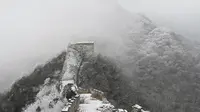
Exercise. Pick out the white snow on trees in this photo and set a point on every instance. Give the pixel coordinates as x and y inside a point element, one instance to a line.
<point>47,100</point>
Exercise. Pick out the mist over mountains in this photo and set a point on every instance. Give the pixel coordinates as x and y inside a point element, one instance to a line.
<point>41,29</point>
<point>159,67</point>
<point>48,27</point>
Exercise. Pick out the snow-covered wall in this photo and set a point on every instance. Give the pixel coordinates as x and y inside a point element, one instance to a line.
<point>75,54</point>
<point>70,63</point>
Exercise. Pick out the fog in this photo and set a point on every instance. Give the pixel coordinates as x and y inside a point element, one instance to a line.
<point>32,32</point>
<point>182,16</point>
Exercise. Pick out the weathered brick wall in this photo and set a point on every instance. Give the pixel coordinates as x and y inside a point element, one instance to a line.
<point>74,104</point>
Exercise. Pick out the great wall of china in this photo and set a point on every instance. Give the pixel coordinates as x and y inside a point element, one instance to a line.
<point>76,53</point>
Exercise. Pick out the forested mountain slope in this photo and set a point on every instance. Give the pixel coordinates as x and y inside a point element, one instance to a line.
<point>23,92</point>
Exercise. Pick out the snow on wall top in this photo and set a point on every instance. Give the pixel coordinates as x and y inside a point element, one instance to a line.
<point>74,57</point>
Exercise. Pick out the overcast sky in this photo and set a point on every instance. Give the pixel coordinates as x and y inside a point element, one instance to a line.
<point>163,6</point>
<point>32,31</point>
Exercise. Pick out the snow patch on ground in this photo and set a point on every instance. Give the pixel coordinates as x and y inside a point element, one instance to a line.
<point>45,100</point>
<point>93,105</point>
